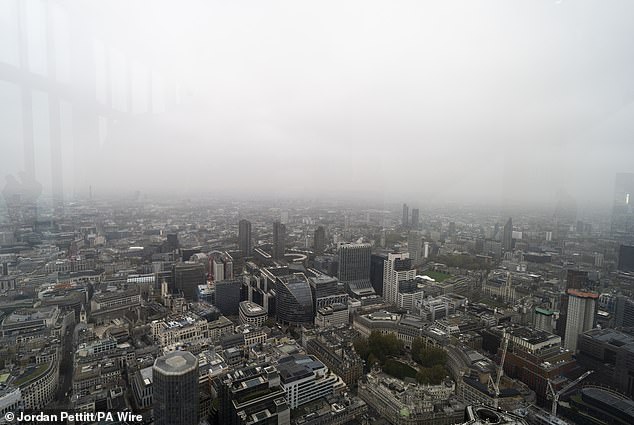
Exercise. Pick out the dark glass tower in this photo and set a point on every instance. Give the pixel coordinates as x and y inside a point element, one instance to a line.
<point>187,277</point>
<point>405,220</point>
<point>294,299</point>
<point>320,240</point>
<point>175,377</point>
<point>415,218</point>
<point>245,243</point>
<point>507,238</point>
<point>279,240</point>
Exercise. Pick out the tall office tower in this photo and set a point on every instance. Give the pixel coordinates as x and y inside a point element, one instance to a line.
<point>543,319</point>
<point>354,268</point>
<point>426,250</point>
<point>377,265</point>
<point>327,291</point>
<point>319,240</point>
<point>405,220</point>
<point>415,245</point>
<point>452,229</point>
<point>624,312</point>
<point>415,218</point>
<point>507,239</point>
<point>580,316</point>
<point>279,240</point>
<point>576,279</point>
<point>228,296</point>
<point>626,258</point>
<point>172,242</point>
<point>294,300</point>
<point>175,386</point>
<point>398,268</point>
<point>218,269</point>
<point>187,277</point>
<point>622,209</point>
<point>245,242</point>
<point>253,395</point>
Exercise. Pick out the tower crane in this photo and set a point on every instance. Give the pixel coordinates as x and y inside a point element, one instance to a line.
<point>500,371</point>
<point>555,395</point>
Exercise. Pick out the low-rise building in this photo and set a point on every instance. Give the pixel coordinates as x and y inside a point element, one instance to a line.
<point>304,379</point>
<point>251,313</point>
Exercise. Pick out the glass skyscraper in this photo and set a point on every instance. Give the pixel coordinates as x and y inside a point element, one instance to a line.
<point>175,381</point>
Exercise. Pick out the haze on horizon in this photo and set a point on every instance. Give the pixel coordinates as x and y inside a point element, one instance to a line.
<point>443,101</point>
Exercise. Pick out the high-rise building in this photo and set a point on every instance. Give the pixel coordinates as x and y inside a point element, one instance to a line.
<point>415,218</point>
<point>228,296</point>
<point>245,241</point>
<point>622,210</point>
<point>543,319</point>
<point>576,279</point>
<point>175,386</point>
<point>279,240</point>
<point>172,242</point>
<point>398,268</point>
<point>507,238</point>
<point>626,258</point>
<point>624,312</point>
<point>294,300</point>
<point>452,229</point>
<point>319,240</point>
<point>415,245</point>
<point>327,291</point>
<point>405,219</point>
<point>187,277</point>
<point>580,316</point>
<point>354,268</point>
<point>253,395</point>
<point>377,265</point>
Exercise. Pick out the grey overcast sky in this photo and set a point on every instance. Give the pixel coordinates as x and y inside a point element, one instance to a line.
<point>419,101</point>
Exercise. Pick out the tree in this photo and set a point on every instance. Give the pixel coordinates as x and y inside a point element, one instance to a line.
<point>427,356</point>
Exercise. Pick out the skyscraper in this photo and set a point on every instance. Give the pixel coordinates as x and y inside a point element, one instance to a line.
<point>507,239</point>
<point>415,218</point>
<point>279,240</point>
<point>187,277</point>
<point>228,293</point>
<point>622,209</point>
<point>294,300</point>
<point>354,267</point>
<point>377,265</point>
<point>415,245</point>
<point>319,240</point>
<point>580,316</point>
<point>626,258</point>
<point>245,242</point>
<point>175,382</point>
<point>405,220</point>
<point>398,268</point>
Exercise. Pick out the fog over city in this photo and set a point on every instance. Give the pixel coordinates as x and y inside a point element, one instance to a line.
<point>500,102</point>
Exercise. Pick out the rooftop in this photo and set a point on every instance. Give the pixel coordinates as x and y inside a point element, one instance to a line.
<point>176,363</point>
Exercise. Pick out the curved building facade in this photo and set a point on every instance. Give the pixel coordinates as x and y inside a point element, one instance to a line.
<point>294,300</point>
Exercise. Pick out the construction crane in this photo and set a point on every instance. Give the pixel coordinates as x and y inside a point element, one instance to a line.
<point>500,371</point>
<point>555,395</point>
